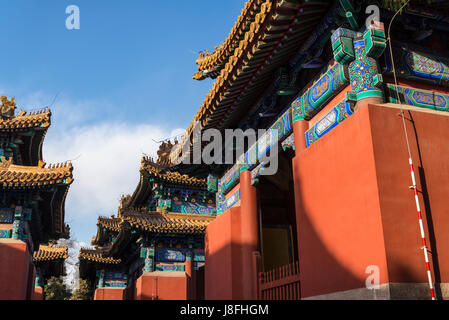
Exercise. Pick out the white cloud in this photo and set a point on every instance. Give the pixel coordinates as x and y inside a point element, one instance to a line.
<point>66,113</point>
<point>106,160</point>
<point>105,153</point>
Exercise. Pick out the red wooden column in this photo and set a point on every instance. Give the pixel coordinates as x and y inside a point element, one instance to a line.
<point>249,233</point>
<point>190,272</point>
<point>257,268</point>
<point>300,128</point>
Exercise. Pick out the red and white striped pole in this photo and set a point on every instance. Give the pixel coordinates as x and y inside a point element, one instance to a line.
<point>421,226</point>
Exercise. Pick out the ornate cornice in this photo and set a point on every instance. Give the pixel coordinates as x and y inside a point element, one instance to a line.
<point>96,255</point>
<point>50,253</point>
<point>23,121</point>
<point>210,64</point>
<point>13,176</point>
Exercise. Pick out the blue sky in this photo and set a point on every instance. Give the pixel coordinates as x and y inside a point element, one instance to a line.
<point>120,81</point>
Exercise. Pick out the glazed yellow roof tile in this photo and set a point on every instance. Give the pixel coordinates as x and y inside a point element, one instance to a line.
<point>168,222</point>
<point>24,120</point>
<point>50,253</point>
<point>171,177</point>
<point>96,255</point>
<point>216,60</point>
<point>109,223</point>
<point>22,176</point>
<point>272,37</point>
<point>227,73</point>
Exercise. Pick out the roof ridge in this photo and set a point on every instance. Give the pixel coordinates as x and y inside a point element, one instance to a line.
<point>172,176</point>
<point>24,120</point>
<point>65,165</point>
<point>33,113</point>
<point>271,37</point>
<point>209,62</point>
<point>144,211</point>
<point>109,218</point>
<point>230,66</point>
<point>96,255</point>
<point>53,246</point>
<point>169,222</point>
<point>51,252</point>
<point>16,175</point>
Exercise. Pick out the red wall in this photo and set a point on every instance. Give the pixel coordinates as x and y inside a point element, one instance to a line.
<point>354,207</point>
<point>222,273</point>
<point>161,286</point>
<point>338,211</point>
<point>15,263</point>
<point>428,136</point>
<point>109,294</point>
<point>31,281</point>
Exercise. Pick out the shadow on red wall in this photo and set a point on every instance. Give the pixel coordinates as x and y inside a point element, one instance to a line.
<point>17,274</point>
<point>354,208</point>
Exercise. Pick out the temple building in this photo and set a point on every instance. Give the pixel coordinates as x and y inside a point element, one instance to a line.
<point>358,107</point>
<point>49,262</point>
<point>32,199</point>
<point>154,248</point>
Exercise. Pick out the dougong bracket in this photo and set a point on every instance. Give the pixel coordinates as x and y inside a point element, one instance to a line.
<point>359,52</point>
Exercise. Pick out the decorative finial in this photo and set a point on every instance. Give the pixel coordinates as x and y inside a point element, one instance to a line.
<point>5,163</point>
<point>41,164</point>
<point>7,107</point>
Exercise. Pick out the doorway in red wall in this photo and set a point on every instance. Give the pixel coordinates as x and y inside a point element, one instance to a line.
<point>277,216</point>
